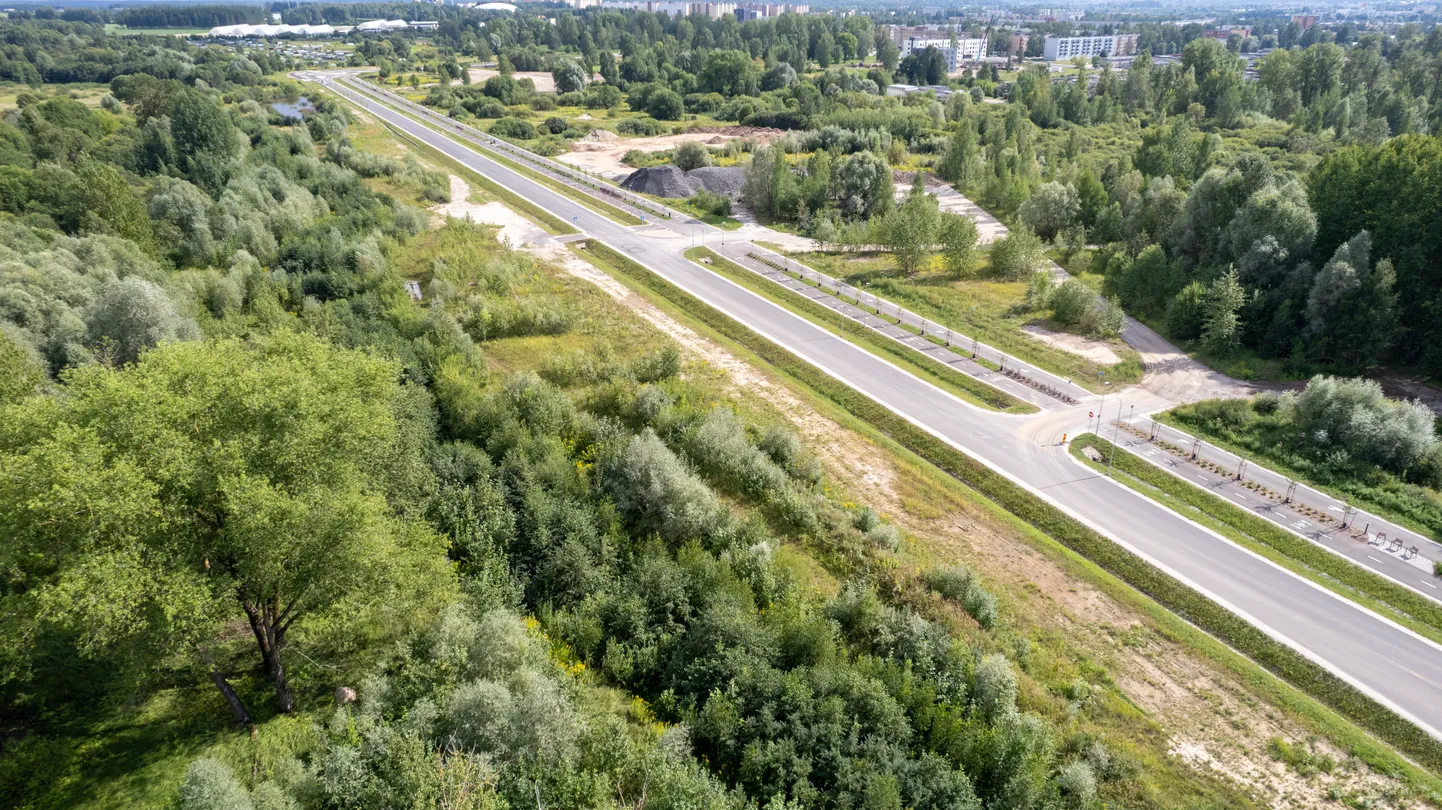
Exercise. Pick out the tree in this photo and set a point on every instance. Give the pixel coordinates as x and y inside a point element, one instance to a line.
<point>1221,325</point>
<point>204,140</point>
<point>960,164</point>
<point>691,155</point>
<point>1017,255</point>
<point>958,245</point>
<point>665,105</point>
<point>887,54</point>
<point>730,73</point>
<point>133,315</point>
<point>1051,209</point>
<point>212,481</point>
<point>1351,314</point>
<point>863,186</point>
<point>569,76</point>
<point>909,229</point>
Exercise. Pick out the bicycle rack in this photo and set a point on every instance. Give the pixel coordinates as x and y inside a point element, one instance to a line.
<point>1291,491</point>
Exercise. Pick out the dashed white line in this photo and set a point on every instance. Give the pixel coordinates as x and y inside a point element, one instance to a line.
<point>1370,557</point>
<point>1430,585</point>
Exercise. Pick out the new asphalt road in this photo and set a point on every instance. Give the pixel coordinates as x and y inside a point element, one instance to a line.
<point>1393,665</point>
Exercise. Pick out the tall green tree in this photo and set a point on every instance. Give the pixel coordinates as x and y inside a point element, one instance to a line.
<point>152,506</point>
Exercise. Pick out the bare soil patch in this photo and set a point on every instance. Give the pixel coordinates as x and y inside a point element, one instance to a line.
<point>1096,351</point>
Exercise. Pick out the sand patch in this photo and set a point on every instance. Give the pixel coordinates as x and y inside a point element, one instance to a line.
<point>1094,350</point>
<point>545,82</point>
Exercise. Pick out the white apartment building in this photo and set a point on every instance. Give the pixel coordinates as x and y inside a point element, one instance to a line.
<point>1056,48</point>
<point>966,49</point>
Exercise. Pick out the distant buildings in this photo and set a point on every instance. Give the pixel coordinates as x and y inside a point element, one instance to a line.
<point>1304,21</point>
<point>1224,32</point>
<point>963,50</point>
<point>1067,47</point>
<point>682,8</point>
<point>1017,46</point>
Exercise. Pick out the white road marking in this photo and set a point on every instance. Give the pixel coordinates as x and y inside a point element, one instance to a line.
<point>1370,557</point>
<point>1430,585</point>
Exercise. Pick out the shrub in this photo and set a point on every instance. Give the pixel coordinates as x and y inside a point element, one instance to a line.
<point>555,125</point>
<point>513,128</point>
<point>665,105</point>
<point>640,126</point>
<point>714,204</point>
<point>211,785</point>
<point>662,364</point>
<point>1071,301</point>
<point>1077,783</point>
<point>133,315</point>
<point>690,155</point>
<point>1355,415</point>
<point>657,492</point>
<point>958,584</point>
<point>995,687</point>
<point>601,97</point>
<point>1017,255</point>
<point>720,446</point>
<point>1105,318</point>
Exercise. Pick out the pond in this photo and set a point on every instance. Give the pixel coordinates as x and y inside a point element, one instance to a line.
<point>298,109</point>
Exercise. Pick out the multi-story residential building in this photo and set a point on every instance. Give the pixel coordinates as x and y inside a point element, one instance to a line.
<point>1018,44</point>
<point>1068,47</point>
<point>1305,21</point>
<point>964,49</point>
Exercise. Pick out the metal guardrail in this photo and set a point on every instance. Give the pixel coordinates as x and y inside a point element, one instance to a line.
<point>359,92</point>
<point>926,328</point>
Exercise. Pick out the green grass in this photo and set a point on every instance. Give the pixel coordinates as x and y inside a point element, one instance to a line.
<point>948,379</point>
<point>984,308</point>
<point>1306,683</point>
<point>117,29</point>
<point>1372,591</point>
<point>1272,441</point>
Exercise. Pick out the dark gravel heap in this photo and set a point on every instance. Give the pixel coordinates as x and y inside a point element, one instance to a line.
<point>724,180</point>
<point>662,181</point>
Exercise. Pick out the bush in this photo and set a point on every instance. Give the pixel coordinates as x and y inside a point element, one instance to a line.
<point>1017,255</point>
<point>656,492</point>
<point>640,126</point>
<point>601,97</point>
<point>513,128</point>
<point>211,785</point>
<point>1072,301</point>
<point>957,584</point>
<point>1105,319</point>
<point>995,687</point>
<point>720,446</point>
<point>714,204</point>
<point>555,125</point>
<point>690,155</point>
<point>1356,415</point>
<point>665,105</point>
<point>1077,783</point>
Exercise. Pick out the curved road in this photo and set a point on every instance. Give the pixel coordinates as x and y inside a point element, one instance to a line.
<point>1393,665</point>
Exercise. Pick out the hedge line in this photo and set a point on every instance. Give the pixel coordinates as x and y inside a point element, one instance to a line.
<point>1281,660</point>
<point>1404,600</point>
<point>983,393</point>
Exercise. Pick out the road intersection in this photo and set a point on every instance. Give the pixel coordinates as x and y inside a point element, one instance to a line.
<point>1392,664</point>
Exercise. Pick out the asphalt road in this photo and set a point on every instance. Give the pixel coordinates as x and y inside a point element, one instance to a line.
<point>1395,666</point>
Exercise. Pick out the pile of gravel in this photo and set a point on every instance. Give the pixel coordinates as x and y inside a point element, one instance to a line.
<point>724,180</point>
<point>662,181</point>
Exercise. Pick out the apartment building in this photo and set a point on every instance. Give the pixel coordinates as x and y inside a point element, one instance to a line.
<point>1056,48</point>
